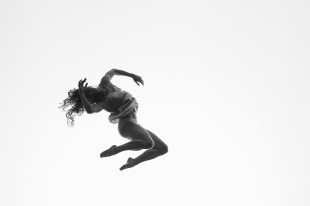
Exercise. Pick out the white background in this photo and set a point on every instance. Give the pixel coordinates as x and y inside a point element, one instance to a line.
<point>226,87</point>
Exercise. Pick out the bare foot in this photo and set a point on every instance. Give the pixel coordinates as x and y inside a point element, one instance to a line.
<point>130,163</point>
<point>109,152</point>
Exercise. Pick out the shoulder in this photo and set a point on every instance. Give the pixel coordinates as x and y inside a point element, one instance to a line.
<point>108,76</point>
<point>105,80</point>
<point>105,83</point>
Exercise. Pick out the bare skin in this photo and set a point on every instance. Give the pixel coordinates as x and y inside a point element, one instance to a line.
<point>129,127</point>
<point>140,139</point>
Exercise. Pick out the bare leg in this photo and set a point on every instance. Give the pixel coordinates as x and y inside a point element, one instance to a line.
<point>132,145</point>
<point>141,139</point>
<point>159,149</point>
<point>147,155</point>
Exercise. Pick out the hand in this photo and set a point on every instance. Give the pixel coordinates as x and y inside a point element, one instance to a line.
<point>81,84</point>
<point>138,80</point>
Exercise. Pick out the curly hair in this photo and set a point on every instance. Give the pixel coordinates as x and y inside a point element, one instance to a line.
<point>74,100</point>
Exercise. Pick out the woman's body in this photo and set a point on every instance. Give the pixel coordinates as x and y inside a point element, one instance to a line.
<point>123,108</point>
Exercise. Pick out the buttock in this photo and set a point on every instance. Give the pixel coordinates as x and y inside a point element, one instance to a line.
<point>131,130</point>
<point>125,123</point>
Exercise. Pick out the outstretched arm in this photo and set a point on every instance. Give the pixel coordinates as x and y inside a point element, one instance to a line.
<point>112,72</point>
<point>124,73</point>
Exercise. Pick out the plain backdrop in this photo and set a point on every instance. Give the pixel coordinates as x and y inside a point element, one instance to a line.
<point>226,87</point>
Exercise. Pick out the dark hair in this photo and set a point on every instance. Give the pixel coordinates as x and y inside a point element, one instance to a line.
<point>74,100</point>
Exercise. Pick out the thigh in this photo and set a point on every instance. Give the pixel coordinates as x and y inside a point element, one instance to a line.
<point>158,142</point>
<point>132,130</point>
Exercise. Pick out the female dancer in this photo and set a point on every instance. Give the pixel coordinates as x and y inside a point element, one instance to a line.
<point>123,108</point>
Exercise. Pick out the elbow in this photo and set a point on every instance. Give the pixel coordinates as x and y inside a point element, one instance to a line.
<point>114,71</point>
<point>89,111</point>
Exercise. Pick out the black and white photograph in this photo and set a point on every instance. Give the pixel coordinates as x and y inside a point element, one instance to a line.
<point>202,103</point>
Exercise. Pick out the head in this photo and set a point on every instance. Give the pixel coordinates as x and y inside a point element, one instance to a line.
<point>74,101</point>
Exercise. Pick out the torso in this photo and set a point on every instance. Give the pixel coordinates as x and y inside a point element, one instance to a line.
<point>130,115</point>
<point>117,93</point>
<point>113,93</point>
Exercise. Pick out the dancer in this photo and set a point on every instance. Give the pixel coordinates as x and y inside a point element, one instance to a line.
<point>123,108</point>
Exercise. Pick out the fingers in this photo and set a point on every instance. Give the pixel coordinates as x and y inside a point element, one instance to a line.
<point>139,80</point>
<point>81,83</point>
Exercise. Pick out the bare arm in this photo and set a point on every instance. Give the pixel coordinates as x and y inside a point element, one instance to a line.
<point>124,73</point>
<point>88,107</point>
<point>85,102</point>
<point>108,76</point>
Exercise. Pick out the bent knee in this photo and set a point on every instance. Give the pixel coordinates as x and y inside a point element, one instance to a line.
<point>149,145</point>
<point>163,149</point>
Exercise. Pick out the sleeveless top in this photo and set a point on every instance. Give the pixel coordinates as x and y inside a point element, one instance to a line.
<point>118,102</point>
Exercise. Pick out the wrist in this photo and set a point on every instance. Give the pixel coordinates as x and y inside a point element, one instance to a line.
<point>81,92</point>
